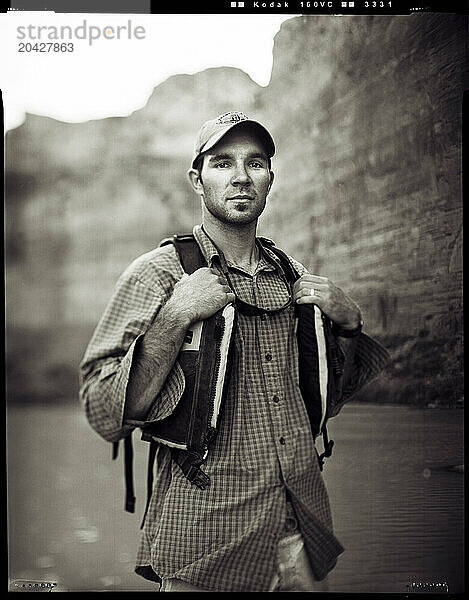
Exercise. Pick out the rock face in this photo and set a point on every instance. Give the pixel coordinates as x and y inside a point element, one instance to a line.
<point>366,113</point>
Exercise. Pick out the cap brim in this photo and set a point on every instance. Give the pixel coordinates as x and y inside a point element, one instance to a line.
<point>216,137</point>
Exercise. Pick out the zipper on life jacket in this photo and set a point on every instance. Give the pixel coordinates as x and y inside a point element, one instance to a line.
<point>211,430</point>
<point>336,362</point>
<point>224,340</point>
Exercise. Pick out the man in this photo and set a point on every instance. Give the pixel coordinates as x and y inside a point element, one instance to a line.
<point>263,523</point>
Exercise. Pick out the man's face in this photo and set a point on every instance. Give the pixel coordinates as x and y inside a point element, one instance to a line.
<point>236,178</point>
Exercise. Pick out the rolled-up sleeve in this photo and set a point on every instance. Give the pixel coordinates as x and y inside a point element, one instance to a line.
<point>103,394</point>
<point>369,359</point>
<point>105,369</point>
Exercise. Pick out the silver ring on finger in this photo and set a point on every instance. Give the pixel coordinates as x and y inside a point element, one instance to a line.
<point>312,292</point>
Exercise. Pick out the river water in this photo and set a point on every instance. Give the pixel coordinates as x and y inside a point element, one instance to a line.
<point>396,501</point>
<point>397,504</point>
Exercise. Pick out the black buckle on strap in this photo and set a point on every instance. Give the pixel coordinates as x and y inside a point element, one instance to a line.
<point>196,476</point>
<point>328,445</point>
<point>327,452</point>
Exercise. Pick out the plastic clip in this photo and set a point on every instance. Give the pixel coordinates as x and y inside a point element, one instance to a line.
<point>196,476</point>
<point>327,452</point>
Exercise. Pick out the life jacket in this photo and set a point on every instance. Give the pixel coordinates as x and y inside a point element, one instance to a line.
<point>206,357</point>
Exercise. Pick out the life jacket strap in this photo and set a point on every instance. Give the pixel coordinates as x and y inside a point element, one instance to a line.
<point>189,462</point>
<point>290,272</point>
<point>334,350</point>
<point>335,353</point>
<point>128,469</point>
<point>151,463</point>
<point>328,445</point>
<point>188,250</point>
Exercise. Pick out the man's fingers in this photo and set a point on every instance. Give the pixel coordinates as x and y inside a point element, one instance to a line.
<point>307,300</point>
<point>302,288</point>
<point>306,291</point>
<point>308,285</point>
<point>304,297</point>
<point>314,278</point>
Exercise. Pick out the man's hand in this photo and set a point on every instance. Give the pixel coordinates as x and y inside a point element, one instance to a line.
<point>200,295</point>
<point>195,297</point>
<point>339,307</point>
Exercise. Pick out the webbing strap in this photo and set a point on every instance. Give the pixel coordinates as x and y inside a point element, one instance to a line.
<point>287,267</point>
<point>151,463</point>
<point>129,481</point>
<point>190,464</point>
<point>128,470</point>
<point>115,450</point>
<point>189,253</point>
<point>328,444</point>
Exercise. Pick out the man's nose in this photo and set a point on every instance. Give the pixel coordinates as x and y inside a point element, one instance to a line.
<point>241,176</point>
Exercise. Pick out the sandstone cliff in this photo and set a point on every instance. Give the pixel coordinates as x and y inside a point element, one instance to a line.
<point>366,112</point>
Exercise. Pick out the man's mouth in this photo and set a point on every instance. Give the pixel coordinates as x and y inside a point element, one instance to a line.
<point>241,197</point>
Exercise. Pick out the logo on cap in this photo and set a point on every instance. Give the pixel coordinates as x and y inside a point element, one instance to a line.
<point>232,117</point>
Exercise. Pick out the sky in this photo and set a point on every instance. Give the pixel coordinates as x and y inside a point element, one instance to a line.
<point>118,59</point>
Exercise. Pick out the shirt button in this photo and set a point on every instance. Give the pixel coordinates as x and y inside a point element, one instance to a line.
<point>263,317</point>
<point>282,441</point>
<point>268,357</point>
<point>276,399</point>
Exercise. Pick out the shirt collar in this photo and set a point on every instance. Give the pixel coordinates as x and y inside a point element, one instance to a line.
<point>207,247</point>
<point>215,258</point>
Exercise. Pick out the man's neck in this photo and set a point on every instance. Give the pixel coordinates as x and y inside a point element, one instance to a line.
<point>237,242</point>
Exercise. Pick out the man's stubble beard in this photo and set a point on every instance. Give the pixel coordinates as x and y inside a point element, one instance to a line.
<point>233,217</point>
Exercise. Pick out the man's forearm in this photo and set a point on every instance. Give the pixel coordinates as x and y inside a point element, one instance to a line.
<point>153,359</point>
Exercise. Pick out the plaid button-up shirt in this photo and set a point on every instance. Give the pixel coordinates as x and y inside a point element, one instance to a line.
<point>223,538</point>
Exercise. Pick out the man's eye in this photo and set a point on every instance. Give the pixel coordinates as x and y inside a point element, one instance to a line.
<point>222,165</point>
<point>255,164</point>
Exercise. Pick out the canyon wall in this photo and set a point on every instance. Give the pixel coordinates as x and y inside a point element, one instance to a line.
<point>366,113</point>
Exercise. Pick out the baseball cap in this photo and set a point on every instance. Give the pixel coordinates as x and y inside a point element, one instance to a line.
<point>212,131</point>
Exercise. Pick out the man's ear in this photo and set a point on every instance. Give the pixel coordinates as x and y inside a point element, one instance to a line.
<point>271,180</point>
<point>195,181</point>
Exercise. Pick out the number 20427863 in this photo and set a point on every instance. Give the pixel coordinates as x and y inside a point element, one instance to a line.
<point>45,47</point>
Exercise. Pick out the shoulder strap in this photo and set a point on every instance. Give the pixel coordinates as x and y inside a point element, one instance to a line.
<point>191,259</point>
<point>304,314</point>
<point>128,470</point>
<point>150,469</point>
<point>188,251</point>
<point>290,272</point>
<point>129,456</point>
